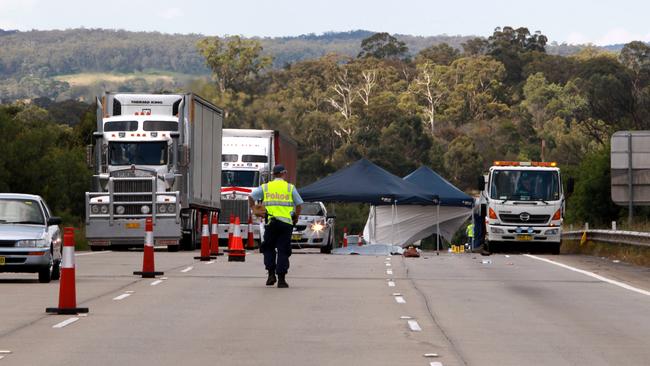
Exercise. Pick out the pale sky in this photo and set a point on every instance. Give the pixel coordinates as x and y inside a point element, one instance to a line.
<point>572,21</point>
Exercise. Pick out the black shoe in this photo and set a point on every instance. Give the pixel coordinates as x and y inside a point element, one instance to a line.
<point>271,280</point>
<point>282,283</point>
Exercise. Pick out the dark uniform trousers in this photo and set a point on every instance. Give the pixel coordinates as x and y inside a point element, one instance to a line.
<point>277,236</point>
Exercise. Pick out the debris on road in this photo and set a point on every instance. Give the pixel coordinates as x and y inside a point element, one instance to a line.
<point>486,261</point>
<point>411,252</point>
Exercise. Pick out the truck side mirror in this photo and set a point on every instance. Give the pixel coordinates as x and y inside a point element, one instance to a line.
<point>480,183</point>
<point>570,185</point>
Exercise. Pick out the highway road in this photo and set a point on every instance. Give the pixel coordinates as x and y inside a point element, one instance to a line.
<point>340,310</point>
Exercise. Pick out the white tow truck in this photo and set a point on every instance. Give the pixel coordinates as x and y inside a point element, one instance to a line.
<point>525,203</point>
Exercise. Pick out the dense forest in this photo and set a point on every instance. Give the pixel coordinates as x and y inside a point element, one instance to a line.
<point>32,62</point>
<point>453,109</point>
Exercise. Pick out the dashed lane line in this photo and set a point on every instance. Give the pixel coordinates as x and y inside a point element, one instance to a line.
<point>391,284</point>
<point>389,271</point>
<point>591,274</point>
<point>187,269</point>
<point>400,300</point>
<point>156,282</point>
<point>121,297</point>
<point>414,326</point>
<point>65,322</point>
<point>91,253</point>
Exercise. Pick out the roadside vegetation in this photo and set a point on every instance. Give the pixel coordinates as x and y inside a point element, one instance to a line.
<point>455,109</point>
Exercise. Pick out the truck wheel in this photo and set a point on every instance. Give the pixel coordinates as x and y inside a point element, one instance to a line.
<point>555,249</point>
<point>326,250</point>
<point>186,242</point>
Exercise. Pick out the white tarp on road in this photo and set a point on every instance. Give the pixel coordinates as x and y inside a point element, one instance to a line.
<point>403,225</point>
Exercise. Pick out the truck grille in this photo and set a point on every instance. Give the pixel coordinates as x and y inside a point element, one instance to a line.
<point>133,198</point>
<point>132,185</point>
<point>234,207</point>
<point>299,227</point>
<point>516,219</point>
<point>135,210</point>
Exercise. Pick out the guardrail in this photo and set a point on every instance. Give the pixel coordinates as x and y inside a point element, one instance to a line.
<point>611,236</point>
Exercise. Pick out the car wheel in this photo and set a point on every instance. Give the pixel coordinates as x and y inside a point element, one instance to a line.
<point>327,249</point>
<point>45,274</point>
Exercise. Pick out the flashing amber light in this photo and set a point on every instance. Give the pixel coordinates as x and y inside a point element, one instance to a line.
<point>36,253</point>
<point>137,114</point>
<point>492,214</point>
<point>551,164</point>
<point>557,215</point>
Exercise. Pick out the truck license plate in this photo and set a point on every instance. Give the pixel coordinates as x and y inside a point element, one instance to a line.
<point>2,261</point>
<point>524,237</point>
<point>133,225</point>
<point>296,237</point>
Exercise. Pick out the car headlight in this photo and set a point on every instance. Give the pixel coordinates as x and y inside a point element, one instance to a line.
<point>552,232</point>
<point>94,209</point>
<point>171,208</point>
<point>145,209</point>
<point>162,208</point>
<point>32,243</point>
<point>317,226</point>
<point>119,210</point>
<point>103,209</point>
<point>496,230</point>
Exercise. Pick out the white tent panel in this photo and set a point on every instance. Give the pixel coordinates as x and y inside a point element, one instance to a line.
<point>406,224</point>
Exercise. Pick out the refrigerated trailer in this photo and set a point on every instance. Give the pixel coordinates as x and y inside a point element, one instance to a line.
<point>248,156</point>
<point>158,156</point>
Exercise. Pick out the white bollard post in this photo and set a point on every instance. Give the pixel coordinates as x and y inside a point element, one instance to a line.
<point>614,225</point>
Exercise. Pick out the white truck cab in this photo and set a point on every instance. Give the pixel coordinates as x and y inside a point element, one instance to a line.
<point>525,204</point>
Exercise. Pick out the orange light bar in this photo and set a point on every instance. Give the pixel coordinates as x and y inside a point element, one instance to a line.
<point>526,163</point>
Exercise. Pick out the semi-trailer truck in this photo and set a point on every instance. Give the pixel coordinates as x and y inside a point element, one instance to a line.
<point>248,156</point>
<point>158,156</point>
<point>525,203</point>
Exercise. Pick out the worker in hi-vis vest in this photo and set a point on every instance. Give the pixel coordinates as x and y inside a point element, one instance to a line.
<point>470,235</point>
<point>282,203</point>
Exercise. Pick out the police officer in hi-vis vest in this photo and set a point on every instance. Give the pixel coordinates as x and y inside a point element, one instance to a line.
<point>282,203</point>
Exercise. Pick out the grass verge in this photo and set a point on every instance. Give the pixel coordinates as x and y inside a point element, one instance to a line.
<point>634,254</point>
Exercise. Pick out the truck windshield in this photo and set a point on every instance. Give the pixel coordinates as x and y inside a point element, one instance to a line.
<point>17,211</point>
<point>137,153</point>
<point>240,178</point>
<point>525,185</point>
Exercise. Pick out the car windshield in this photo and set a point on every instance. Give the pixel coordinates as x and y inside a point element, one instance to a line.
<point>240,178</point>
<point>138,153</point>
<point>17,211</point>
<point>312,209</point>
<point>525,185</point>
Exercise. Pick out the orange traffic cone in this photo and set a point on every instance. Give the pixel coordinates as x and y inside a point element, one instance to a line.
<point>148,266</point>
<point>214,236</point>
<point>345,237</point>
<point>231,230</point>
<point>67,288</point>
<point>251,238</point>
<point>205,241</point>
<point>237,252</point>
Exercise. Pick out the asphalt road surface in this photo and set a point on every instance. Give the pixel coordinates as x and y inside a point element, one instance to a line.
<point>340,310</point>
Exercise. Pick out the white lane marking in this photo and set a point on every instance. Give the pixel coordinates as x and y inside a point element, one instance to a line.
<point>391,284</point>
<point>591,274</point>
<point>210,262</point>
<point>435,363</point>
<point>121,297</point>
<point>415,327</point>
<point>4,351</point>
<point>1,357</point>
<point>396,294</point>
<point>388,264</point>
<point>164,278</point>
<point>129,292</point>
<point>400,300</point>
<point>389,271</point>
<point>91,253</point>
<point>430,355</point>
<point>187,269</point>
<point>388,258</point>
<point>405,317</point>
<point>65,322</point>
<point>156,282</point>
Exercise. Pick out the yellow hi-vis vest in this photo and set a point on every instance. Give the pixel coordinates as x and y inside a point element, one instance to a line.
<point>278,200</point>
<point>470,230</point>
